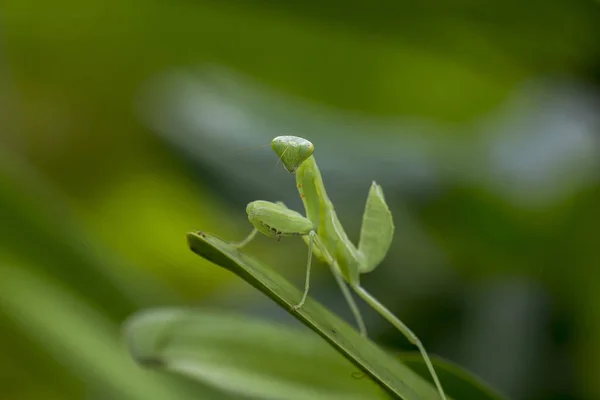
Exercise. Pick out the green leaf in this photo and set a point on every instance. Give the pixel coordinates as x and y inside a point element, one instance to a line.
<point>84,343</point>
<point>393,376</point>
<point>458,382</point>
<point>248,356</point>
<point>269,360</point>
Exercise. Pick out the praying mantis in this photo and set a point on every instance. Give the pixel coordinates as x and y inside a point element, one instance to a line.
<point>325,236</point>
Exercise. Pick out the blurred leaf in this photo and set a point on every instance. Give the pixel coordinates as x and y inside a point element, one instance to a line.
<point>35,216</point>
<point>246,355</point>
<point>458,382</point>
<point>160,195</point>
<point>79,337</point>
<point>389,373</point>
<point>268,360</point>
<point>62,297</point>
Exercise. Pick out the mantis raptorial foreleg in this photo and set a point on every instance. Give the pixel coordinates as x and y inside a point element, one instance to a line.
<point>325,236</point>
<point>252,233</point>
<point>279,209</point>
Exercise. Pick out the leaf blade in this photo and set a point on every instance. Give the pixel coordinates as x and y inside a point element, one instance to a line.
<point>244,355</point>
<point>396,378</point>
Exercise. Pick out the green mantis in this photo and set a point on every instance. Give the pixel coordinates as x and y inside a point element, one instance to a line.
<point>325,236</point>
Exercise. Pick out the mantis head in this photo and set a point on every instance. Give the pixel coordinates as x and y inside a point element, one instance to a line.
<point>292,151</point>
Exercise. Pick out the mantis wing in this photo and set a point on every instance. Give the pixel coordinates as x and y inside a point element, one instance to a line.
<point>377,230</point>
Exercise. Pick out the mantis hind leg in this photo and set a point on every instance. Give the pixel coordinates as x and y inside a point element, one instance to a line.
<point>405,330</point>
<point>351,303</point>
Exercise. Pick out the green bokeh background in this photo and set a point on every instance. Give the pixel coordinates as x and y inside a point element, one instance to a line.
<point>94,206</point>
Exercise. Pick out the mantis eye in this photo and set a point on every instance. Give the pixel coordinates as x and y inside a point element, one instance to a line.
<point>292,151</point>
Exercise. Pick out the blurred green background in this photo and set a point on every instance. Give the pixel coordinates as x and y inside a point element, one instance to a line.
<point>123,125</point>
